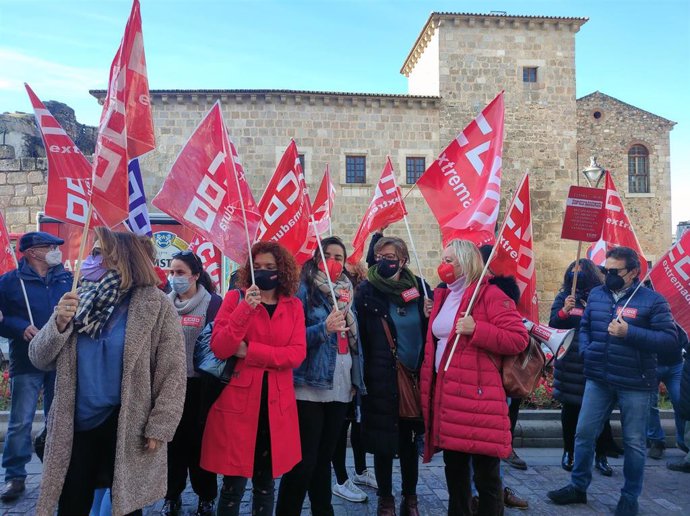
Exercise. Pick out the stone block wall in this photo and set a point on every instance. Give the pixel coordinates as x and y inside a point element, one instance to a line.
<point>609,136</point>
<point>23,188</point>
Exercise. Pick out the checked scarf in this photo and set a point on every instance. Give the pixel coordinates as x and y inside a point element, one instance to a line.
<point>97,301</point>
<point>344,293</point>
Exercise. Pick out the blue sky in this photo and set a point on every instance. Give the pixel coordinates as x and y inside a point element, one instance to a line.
<point>635,50</point>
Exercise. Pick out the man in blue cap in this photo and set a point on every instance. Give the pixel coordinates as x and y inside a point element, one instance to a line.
<point>45,280</point>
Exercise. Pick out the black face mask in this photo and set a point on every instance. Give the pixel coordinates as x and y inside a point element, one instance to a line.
<point>614,282</point>
<point>266,280</point>
<point>388,268</point>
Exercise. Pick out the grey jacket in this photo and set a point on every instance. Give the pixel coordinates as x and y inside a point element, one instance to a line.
<point>152,398</point>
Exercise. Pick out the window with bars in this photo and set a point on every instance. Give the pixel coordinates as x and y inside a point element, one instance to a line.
<point>638,169</point>
<point>414,168</point>
<point>355,169</point>
<point>302,162</point>
<point>529,74</point>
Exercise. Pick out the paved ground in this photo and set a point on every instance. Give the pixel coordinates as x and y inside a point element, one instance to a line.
<point>665,492</point>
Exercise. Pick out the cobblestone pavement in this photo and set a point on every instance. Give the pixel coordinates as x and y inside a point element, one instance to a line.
<point>665,492</point>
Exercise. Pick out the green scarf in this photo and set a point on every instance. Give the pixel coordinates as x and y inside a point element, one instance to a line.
<point>393,288</point>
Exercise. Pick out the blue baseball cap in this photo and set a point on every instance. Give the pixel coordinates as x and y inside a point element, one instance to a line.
<point>37,239</point>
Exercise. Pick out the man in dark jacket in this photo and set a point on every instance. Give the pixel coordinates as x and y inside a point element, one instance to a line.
<point>45,281</point>
<point>684,408</point>
<point>620,334</point>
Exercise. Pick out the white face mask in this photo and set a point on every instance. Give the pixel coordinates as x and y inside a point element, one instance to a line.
<point>53,257</point>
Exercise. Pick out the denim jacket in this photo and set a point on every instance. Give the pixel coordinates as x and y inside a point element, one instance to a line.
<point>322,348</point>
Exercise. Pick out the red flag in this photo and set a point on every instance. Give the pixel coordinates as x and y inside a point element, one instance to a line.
<point>64,157</point>
<point>514,254</point>
<point>285,206</point>
<point>387,206</point>
<point>68,200</point>
<point>200,190</point>
<point>323,202</point>
<point>618,230</point>
<point>671,278</point>
<point>7,259</point>
<point>211,259</point>
<point>126,127</point>
<point>463,186</point>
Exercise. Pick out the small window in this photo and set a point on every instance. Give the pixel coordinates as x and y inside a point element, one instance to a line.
<point>529,74</point>
<point>638,169</point>
<point>302,161</point>
<point>415,167</point>
<point>355,169</point>
<point>597,115</point>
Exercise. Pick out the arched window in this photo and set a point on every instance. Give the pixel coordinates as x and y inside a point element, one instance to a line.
<point>638,169</point>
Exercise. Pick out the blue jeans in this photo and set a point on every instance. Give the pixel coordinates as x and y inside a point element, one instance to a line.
<point>25,389</point>
<point>597,403</point>
<point>670,375</point>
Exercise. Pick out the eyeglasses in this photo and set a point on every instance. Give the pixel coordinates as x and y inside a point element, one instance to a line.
<point>389,256</point>
<point>615,272</point>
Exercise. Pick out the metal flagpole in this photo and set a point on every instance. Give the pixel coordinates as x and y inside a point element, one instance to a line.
<point>244,213</point>
<point>414,252</point>
<point>323,257</point>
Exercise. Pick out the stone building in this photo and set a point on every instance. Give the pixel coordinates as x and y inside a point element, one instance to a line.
<point>456,66</point>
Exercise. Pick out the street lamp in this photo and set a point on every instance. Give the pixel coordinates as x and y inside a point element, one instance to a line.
<point>593,173</point>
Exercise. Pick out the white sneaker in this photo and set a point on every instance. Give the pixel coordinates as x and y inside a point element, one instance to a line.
<point>349,491</point>
<point>367,478</point>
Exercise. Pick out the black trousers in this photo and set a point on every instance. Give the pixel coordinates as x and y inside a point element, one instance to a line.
<point>184,451</point>
<point>91,466</point>
<point>262,480</point>
<point>569,416</point>
<point>320,426</point>
<point>341,450</point>
<point>487,480</point>
<point>513,412</point>
<point>409,463</point>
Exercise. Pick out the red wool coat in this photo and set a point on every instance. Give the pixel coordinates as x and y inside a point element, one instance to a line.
<point>276,345</point>
<point>465,408</point>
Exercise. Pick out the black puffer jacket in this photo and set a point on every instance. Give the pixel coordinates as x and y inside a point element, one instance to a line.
<point>568,376</point>
<point>685,380</point>
<point>380,405</point>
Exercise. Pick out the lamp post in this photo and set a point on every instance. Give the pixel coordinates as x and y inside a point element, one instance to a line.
<point>593,173</point>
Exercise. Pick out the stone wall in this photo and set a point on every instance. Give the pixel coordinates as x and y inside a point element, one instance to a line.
<point>23,188</point>
<point>481,57</point>
<point>618,127</point>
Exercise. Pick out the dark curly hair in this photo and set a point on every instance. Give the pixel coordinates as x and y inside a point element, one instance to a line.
<point>589,277</point>
<point>288,273</point>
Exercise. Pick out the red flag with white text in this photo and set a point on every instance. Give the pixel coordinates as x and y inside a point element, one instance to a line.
<point>211,258</point>
<point>463,186</point>
<point>386,207</point>
<point>322,208</point>
<point>671,278</point>
<point>125,109</point>
<point>618,231</point>
<point>200,190</point>
<point>65,160</point>
<point>284,206</point>
<point>7,260</point>
<point>514,254</point>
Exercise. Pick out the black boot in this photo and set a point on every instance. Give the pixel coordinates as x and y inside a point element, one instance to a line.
<point>567,461</point>
<point>602,464</point>
<point>171,507</point>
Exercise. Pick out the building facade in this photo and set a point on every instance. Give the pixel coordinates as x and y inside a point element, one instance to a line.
<point>456,66</point>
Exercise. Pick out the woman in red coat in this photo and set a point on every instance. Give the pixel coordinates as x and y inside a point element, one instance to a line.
<point>464,408</point>
<point>252,429</point>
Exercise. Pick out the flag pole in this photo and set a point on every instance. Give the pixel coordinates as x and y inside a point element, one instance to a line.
<point>82,246</point>
<point>244,213</point>
<point>21,281</point>
<point>576,268</point>
<point>323,257</point>
<point>486,268</point>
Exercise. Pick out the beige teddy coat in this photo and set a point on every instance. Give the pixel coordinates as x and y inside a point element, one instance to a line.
<point>154,377</point>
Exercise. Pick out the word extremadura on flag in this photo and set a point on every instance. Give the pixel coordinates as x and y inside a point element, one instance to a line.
<point>463,186</point>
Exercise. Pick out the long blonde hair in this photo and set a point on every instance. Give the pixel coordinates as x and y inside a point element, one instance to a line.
<point>125,253</point>
<point>469,259</point>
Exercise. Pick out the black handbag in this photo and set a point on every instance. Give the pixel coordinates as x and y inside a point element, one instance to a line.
<point>206,363</point>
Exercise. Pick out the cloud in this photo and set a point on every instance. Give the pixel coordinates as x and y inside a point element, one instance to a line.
<point>52,77</point>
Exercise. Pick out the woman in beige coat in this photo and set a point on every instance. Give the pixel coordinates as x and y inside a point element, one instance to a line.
<point>118,349</point>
